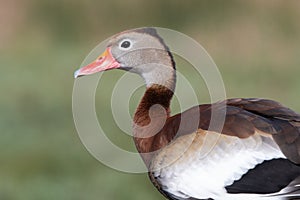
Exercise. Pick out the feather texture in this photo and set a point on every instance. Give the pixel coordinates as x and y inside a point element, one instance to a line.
<point>185,173</point>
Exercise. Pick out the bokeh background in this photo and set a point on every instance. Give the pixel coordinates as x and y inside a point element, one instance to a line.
<point>256,45</point>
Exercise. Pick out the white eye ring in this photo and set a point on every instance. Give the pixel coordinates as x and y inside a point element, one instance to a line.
<point>125,44</point>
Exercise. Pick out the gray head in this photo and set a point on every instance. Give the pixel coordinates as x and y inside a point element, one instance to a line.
<point>140,51</point>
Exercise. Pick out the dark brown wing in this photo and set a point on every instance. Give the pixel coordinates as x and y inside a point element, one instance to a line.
<point>286,123</point>
<point>265,107</point>
<point>243,118</point>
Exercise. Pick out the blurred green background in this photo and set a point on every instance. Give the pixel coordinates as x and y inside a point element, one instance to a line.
<point>256,45</point>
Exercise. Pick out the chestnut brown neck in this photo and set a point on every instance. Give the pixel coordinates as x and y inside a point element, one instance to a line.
<point>150,118</point>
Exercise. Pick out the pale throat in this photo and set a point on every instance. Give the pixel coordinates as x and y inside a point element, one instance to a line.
<point>160,75</point>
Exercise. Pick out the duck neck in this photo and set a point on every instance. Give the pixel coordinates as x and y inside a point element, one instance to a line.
<point>153,110</point>
<point>160,85</point>
<point>151,115</point>
<point>155,103</point>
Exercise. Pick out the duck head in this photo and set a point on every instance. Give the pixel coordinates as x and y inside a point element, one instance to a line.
<point>140,51</point>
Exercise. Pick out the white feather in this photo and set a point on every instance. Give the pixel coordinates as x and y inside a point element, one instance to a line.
<point>193,175</point>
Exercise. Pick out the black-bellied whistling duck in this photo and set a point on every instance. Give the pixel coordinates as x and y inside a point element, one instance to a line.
<point>256,156</point>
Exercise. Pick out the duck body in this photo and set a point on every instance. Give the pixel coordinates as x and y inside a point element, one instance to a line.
<point>209,165</point>
<point>255,154</point>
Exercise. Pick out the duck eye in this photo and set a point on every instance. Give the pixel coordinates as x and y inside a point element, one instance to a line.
<point>125,44</point>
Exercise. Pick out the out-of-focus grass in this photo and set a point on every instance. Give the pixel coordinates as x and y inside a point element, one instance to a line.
<point>41,155</point>
<point>255,45</point>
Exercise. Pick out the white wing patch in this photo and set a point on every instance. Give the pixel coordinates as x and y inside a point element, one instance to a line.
<point>188,167</point>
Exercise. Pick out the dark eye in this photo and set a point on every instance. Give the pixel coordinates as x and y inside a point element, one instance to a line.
<point>125,44</point>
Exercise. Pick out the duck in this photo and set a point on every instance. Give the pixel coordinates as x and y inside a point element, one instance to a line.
<point>257,151</point>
